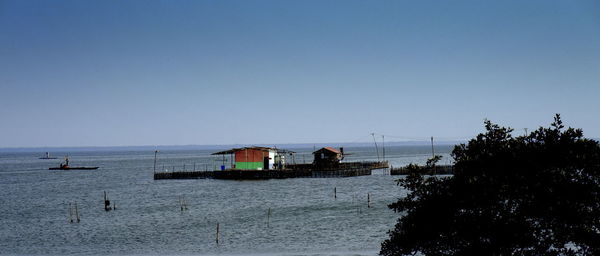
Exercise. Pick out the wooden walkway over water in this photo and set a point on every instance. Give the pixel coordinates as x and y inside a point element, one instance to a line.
<point>291,171</point>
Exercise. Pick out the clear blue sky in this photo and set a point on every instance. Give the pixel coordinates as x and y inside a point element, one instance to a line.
<point>109,73</point>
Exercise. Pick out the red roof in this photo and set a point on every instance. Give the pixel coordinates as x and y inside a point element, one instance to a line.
<point>232,151</point>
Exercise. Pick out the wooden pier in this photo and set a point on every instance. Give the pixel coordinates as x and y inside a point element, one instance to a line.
<point>183,175</point>
<point>291,171</point>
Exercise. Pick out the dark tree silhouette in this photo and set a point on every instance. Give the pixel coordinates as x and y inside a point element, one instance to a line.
<point>536,194</point>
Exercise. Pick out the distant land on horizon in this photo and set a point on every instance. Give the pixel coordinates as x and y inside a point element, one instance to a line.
<point>219,147</point>
<point>228,146</point>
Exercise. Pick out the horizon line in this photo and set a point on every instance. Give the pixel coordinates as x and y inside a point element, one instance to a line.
<point>231,144</point>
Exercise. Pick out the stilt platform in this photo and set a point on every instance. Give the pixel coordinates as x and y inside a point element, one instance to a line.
<point>291,171</point>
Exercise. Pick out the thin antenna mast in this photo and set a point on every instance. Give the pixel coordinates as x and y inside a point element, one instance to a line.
<point>376,148</point>
<point>432,152</point>
<point>155,152</point>
<point>383,146</point>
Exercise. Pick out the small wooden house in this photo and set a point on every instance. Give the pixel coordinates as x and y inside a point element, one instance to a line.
<point>255,158</point>
<point>328,156</point>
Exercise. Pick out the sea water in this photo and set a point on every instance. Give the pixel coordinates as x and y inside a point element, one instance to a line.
<point>305,218</point>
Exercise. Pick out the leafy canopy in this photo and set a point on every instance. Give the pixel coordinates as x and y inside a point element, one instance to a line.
<point>536,194</point>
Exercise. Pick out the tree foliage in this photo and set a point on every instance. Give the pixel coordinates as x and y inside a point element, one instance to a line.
<point>433,160</point>
<point>536,194</point>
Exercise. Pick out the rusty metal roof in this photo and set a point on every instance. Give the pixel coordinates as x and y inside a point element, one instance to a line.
<point>329,149</point>
<point>233,150</point>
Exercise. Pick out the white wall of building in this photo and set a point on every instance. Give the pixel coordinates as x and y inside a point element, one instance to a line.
<point>271,159</point>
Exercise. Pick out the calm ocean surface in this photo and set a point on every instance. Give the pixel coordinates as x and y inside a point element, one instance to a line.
<point>305,217</point>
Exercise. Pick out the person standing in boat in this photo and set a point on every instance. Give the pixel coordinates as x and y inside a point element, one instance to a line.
<point>66,164</point>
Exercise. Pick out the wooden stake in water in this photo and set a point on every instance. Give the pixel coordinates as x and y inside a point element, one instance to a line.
<point>335,192</point>
<point>268,217</point>
<point>106,203</point>
<point>183,203</point>
<point>368,200</point>
<point>70,213</point>
<point>77,212</point>
<point>217,232</point>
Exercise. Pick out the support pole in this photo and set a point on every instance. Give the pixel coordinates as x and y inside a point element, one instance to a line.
<point>70,213</point>
<point>432,157</point>
<point>182,203</point>
<point>217,233</point>
<point>432,152</point>
<point>383,146</point>
<point>77,212</point>
<point>106,202</point>
<point>155,152</point>
<point>376,148</point>
<point>268,217</point>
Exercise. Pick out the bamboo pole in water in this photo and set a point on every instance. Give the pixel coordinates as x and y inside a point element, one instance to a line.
<point>70,213</point>
<point>217,233</point>
<point>180,203</point>
<point>106,202</point>
<point>268,217</point>
<point>183,203</point>
<point>77,212</point>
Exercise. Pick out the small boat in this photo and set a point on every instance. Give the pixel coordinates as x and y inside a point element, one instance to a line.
<point>65,166</point>
<point>73,168</point>
<point>47,156</point>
